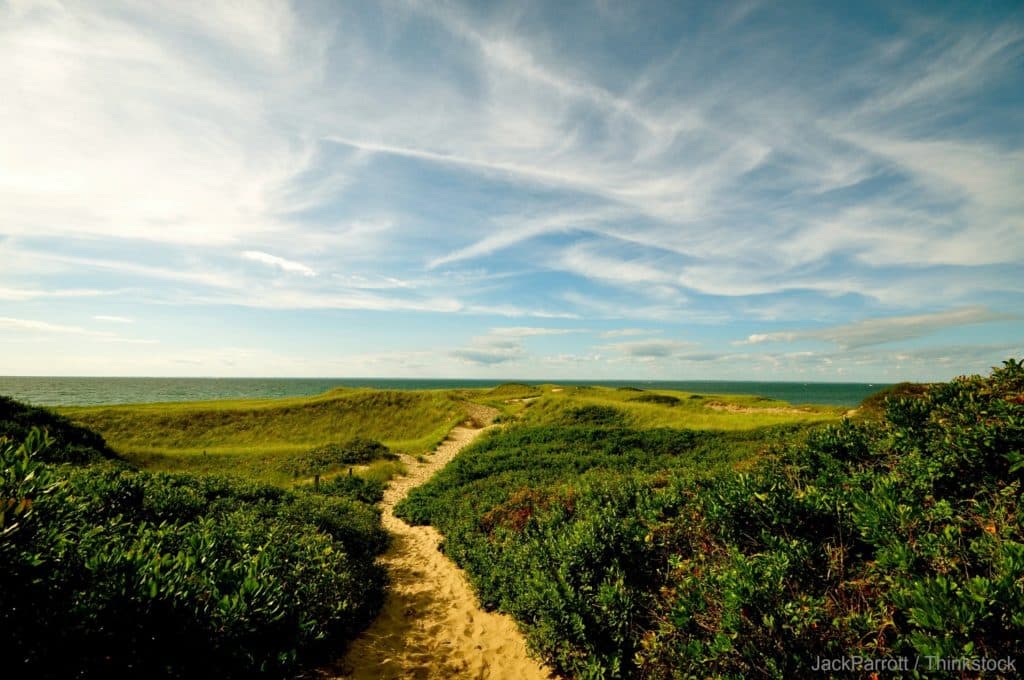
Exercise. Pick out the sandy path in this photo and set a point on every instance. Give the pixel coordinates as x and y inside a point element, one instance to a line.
<point>431,625</point>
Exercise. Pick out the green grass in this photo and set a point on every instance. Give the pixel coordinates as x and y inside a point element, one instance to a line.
<point>690,411</point>
<point>259,438</point>
<point>382,471</point>
<point>255,438</point>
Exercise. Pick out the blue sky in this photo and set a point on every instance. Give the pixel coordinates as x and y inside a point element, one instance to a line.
<point>811,191</point>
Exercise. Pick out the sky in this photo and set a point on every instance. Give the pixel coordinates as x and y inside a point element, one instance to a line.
<point>536,190</point>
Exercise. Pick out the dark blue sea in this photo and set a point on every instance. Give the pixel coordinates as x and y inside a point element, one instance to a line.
<point>50,391</point>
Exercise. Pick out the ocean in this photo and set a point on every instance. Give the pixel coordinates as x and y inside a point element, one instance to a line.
<point>53,391</point>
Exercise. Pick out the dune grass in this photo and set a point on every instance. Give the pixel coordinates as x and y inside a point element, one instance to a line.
<point>258,438</point>
<point>382,471</point>
<point>255,438</point>
<point>649,409</point>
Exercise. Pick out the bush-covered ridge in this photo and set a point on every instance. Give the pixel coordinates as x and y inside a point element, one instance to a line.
<point>68,443</point>
<point>111,572</point>
<point>897,537</point>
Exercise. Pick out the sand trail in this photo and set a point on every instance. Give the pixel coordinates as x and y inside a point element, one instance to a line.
<point>431,625</point>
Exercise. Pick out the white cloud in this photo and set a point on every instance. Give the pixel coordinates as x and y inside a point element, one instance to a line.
<point>141,138</point>
<point>503,344</point>
<point>112,319</point>
<point>508,233</point>
<point>47,328</point>
<point>584,261</point>
<point>19,294</point>
<point>890,329</point>
<point>626,332</point>
<point>487,355</point>
<point>514,311</point>
<point>528,331</point>
<point>651,349</point>
<point>281,263</point>
<point>157,146</point>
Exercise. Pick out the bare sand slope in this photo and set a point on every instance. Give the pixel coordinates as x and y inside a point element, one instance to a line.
<point>431,625</point>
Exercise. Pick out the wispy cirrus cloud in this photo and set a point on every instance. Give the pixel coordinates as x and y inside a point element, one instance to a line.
<point>187,151</point>
<point>529,331</point>
<point>285,265</point>
<point>18,294</point>
<point>37,327</point>
<point>884,330</point>
<point>626,332</point>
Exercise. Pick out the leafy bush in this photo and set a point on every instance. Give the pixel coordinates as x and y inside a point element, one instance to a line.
<point>368,491</point>
<point>894,538</point>
<point>662,399</point>
<point>875,403</point>
<point>319,459</point>
<point>110,572</point>
<point>643,554</point>
<point>564,508</point>
<point>596,415</point>
<point>69,443</point>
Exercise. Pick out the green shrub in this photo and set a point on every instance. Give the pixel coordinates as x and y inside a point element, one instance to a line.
<point>885,539</point>
<point>644,554</point>
<point>596,415</point>
<point>351,486</point>
<point>662,399</point>
<point>69,443</point>
<point>320,459</point>
<point>874,404</point>
<point>110,572</point>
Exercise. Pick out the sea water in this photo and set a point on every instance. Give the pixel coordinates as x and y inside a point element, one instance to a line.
<point>52,391</point>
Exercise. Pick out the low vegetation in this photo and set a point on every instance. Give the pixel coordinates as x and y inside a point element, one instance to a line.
<point>644,409</point>
<point>331,457</point>
<point>272,440</point>
<point>661,553</point>
<point>112,572</point>
<point>68,442</point>
<point>631,533</point>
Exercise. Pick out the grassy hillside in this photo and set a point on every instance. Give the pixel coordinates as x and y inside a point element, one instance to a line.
<point>270,439</point>
<point>663,553</point>
<point>647,409</point>
<point>264,438</point>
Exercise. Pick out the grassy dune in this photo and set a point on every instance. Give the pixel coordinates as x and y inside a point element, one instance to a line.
<point>648,409</point>
<point>259,438</point>
<point>255,437</point>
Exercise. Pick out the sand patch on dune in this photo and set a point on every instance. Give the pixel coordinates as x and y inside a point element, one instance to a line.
<point>431,625</point>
